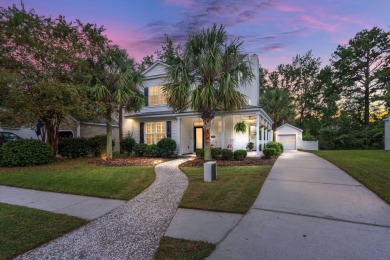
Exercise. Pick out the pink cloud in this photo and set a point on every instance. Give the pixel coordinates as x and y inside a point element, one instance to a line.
<point>351,20</point>
<point>135,41</point>
<point>289,9</point>
<point>317,24</point>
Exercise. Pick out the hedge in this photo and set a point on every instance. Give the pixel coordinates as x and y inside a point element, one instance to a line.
<point>25,152</point>
<point>73,147</point>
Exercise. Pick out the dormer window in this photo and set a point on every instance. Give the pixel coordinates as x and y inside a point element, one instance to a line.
<point>157,96</point>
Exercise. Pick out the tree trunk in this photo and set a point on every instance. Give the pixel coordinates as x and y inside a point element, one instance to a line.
<point>274,133</point>
<point>207,148</point>
<point>120,128</point>
<point>109,133</point>
<point>366,104</point>
<point>52,135</point>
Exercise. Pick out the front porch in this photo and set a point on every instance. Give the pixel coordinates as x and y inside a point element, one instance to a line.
<point>259,132</point>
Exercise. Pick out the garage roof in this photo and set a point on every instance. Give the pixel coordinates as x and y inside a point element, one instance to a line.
<point>288,125</point>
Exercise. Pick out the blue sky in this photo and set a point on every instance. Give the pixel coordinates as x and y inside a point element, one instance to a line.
<point>276,30</point>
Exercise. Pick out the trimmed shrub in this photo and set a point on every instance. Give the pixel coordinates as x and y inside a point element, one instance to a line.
<point>269,152</point>
<point>140,149</point>
<point>73,147</point>
<point>240,155</point>
<point>275,145</point>
<point>250,146</point>
<point>216,153</point>
<point>98,144</point>
<point>152,150</point>
<point>166,147</point>
<point>226,154</point>
<point>280,147</point>
<point>128,143</point>
<point>25,152</point>
<point>199,153</point>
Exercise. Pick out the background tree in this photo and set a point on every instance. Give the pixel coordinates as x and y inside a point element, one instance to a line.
<point>145,63</point>
<point>278,104</point>
<point>361,68</point>
<point>170,53</point>
<point>207,77</point>
<point>113,81</point>
<point>44,56</point>
<point>300,77</point>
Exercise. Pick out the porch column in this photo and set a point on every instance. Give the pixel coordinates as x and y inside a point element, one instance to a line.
<point>223,132</point>
<point>262,138</point>
<point>257,134</point>
<point>179,129</point>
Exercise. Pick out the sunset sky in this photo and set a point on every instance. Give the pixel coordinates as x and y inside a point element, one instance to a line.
<point>276,30</point>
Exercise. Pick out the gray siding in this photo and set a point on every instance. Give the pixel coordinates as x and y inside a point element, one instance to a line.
<point>149,83</point>
<point>88,131</point>
<point>251,89</point>
<point>157,70</point>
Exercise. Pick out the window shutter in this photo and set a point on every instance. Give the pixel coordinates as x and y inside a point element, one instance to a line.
<point>169,131</point>
<point>146,94</point>
<point>141,133</point>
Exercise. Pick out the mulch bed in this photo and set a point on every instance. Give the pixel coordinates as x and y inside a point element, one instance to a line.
<point>246,162</point>
<point>130,161</point>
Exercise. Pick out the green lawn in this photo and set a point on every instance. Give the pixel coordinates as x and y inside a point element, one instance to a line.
<point>235,189</point>
<point>370,167</point>
<point>173,248</point>
<point>22,229</point>
<point>79,177</point>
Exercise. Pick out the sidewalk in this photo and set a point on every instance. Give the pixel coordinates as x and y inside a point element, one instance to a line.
<point>132,231</point>
<point>74,205</point>
<point>310,209</point>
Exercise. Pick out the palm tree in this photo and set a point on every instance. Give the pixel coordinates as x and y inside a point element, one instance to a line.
<point>113,80</point>
<point>206,77</point>
<point>278,104</point>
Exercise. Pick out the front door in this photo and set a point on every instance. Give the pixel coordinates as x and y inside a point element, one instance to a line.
<point>198,138</point>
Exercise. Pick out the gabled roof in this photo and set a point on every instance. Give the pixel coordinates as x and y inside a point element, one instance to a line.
<point>155,64</point>
<point>288,125</point>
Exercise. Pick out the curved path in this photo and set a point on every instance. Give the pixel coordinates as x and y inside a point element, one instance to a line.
<point>132,231</point>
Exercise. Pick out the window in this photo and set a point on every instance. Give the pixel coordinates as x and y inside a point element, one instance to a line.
<point>219,126</point>
<point>156,96</point>
<point>154,132</point>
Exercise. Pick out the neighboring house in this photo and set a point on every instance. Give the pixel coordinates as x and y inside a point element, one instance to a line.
<point>387,132</point>
<point>157,120</point>
<point>291,138</point>
<point>74,128</point>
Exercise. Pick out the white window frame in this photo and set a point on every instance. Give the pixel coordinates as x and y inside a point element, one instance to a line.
<point>155,134</point>
<point>159,96</point>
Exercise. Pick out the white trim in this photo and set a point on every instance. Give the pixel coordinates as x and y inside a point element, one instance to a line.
<point>154,65</point>
<point>286,124</point>
<point>257,134</point>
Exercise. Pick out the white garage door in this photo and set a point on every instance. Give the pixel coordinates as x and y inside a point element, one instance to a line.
<point>288,141</point>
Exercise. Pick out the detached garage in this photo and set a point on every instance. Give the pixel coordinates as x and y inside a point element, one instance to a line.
<point>289,136</point>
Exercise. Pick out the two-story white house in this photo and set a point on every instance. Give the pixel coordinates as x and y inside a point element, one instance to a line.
<point>157,120</point>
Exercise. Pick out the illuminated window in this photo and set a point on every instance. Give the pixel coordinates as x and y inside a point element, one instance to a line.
<point>154,132</point>
<point>157,96</point>
<point>219,126</point>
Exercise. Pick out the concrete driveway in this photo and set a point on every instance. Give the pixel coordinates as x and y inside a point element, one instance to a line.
<point>310,209</point>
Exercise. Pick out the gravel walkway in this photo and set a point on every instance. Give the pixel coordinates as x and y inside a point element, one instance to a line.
<point>132,231</point>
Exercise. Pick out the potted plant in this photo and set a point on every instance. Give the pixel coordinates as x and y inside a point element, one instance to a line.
<point>240,127</point>
<point>250,146</point>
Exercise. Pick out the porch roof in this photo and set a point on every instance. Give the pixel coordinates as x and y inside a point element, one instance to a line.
<point>170,113</point>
